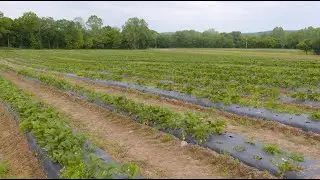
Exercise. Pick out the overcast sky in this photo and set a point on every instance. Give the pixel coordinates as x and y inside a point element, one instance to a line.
<point>169,16</point>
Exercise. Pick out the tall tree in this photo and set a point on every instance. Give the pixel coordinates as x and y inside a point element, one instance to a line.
<point>5,29</point>
<point>316,46</point>
<point>94,22</point>
<point>31,31</point>
<point>80,22</point>
<point>70,36</point>
<point>95,38</point>
<point>236,38</point>
<point>29,25</point>
<point>47,30</point>
<point>280,35</point>
<point>305,45</point>
<point>136,33</point>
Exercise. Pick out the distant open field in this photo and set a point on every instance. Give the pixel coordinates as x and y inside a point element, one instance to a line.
<point>263,97</point>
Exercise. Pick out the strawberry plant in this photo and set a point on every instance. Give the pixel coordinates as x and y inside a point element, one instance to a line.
<point>53,134</point>
<point>315,116</point>
<point>189,123</point>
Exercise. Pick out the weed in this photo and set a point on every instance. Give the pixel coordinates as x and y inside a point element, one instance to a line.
<point>284,167</point>
<point>130,169</point>
<point>296,157</point>
<point>251,141</point>
<point>239,148</point>
<point>167,138</point>
<point>243,121</point>
<point>225,153</point>
<point>3,169</point>
<point>315,116</point>
<point>272,149</point>
<point>236,161</point>
<point>257,157</point>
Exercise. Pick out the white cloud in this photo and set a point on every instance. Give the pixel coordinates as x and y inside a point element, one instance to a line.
<point>245,16</point>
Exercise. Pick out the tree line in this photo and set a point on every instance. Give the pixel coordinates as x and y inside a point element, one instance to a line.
<point>32,31</point>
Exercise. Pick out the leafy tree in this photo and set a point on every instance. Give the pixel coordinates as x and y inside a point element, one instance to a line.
<point>187,39</point>
<point>74,36</point>
<point>80,23</point>
<point>316,46</point>
<point>226,40</point>
<point>5,29</point>
<point>110,37</point>
<point>117,37</point>
<point>211,31</point>
<point>153,39</point>
<point>94,22</point>
<point>28,26</point>
<point>280,35</point>
<point>136,33</point>
<point>210,38</point>
<point>305,45</point>
<point>48,33</point>
<point>292,40</point>
<point>69,35</point>
<point>31,31</point>
<point>95,35</point>
<point>164,40</point>
<point>236,38</point>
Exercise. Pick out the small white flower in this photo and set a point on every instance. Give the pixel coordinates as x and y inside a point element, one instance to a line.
<point>283,159</point>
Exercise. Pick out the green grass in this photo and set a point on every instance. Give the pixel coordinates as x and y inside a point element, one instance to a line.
<point>4,167</point>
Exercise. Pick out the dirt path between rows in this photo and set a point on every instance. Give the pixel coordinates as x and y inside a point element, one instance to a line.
<point>127,141</point>
<point>15,150</point>
<point>292,142</point>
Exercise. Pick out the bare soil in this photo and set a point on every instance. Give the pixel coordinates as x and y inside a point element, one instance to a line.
<point>15,150</point>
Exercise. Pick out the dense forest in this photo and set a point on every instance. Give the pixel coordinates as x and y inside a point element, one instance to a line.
<point>32,31</point>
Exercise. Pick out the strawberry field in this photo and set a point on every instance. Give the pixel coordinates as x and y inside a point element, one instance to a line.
<point>257,110</point>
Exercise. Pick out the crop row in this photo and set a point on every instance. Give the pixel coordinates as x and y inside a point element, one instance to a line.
<point>228,96</point>
<point>56,137</point>
<point>195,124</point>
<point>252,75</point>
<point>218,82</point>
<point>160,57</point>
<point>265,98</point>
<point>213,89</point>
<point>307,95</point>
<point>161,64</point>
<point>190,124</point>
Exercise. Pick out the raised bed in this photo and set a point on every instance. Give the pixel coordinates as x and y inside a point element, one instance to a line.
<point>250,152</point>
<point>50,168</point>
<point>305,102</point>
<point>299,121</point>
